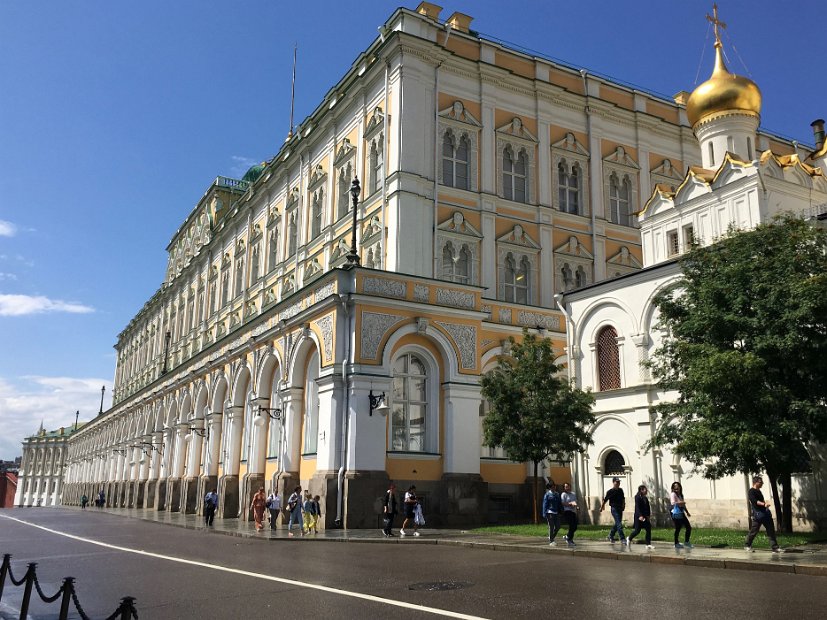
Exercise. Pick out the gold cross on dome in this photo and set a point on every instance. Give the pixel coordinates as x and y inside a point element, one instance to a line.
<point>716,23</point>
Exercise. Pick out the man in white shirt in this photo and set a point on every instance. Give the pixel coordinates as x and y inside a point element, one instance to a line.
<point>274,506</point>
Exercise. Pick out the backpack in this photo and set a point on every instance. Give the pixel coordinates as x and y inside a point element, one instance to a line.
<point>292,502</point>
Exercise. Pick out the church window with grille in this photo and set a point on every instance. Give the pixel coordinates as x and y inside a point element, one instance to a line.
<point>608,359</point>
<point>614,464</point>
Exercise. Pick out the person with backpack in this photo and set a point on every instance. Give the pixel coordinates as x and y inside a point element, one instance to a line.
<point>309,509</point>
<point>317,505</point>
<point>680,516</point>
<point>552,507</point>
<point>274,506</point>
<point>210,504</point>
<point>389,510</point>
<point>761,515</point>
<point>294,508</point>
<point>642,514</point>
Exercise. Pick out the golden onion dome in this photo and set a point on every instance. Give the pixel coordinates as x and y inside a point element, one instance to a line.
<point>723,92</point>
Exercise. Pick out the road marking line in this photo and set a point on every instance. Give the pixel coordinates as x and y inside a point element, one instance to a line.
<point>292,582</point>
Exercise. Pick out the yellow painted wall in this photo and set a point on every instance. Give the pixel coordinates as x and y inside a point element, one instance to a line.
<point>502,473</point>
<point>515,64</point>
<point>619,97</point>
<point>565,79</point>
<point>307,468</point>
<point>666,112</point>
<point>413,469</point>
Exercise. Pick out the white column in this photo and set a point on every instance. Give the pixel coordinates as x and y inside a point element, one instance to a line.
<point>292,410</point>
<point>214,444</point>
<point>236,413</point>
<point>196,441</point>
<point>331,397</point>
<point>181,431</point>
<point>461,452</point>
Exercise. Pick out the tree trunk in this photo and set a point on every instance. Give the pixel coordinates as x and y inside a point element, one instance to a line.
<point>534,495</point>
<point>776,499</point>
<point>786,525</point>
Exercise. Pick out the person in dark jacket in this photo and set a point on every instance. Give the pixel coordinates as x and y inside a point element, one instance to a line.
<point>389,510</point>
<point>617,502</point>
<point>643,512</point>
<point>761,515</point>
<point>552,507</point>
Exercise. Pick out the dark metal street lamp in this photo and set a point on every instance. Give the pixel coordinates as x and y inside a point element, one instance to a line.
<point>353,255</point>
<point>273,412</point>
<point>103,389</point>
<point>377,403</point>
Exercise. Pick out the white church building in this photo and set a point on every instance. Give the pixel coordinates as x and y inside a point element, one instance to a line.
<point>612,324</point>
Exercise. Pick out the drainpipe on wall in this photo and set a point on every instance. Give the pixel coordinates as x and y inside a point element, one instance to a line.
<point>583,74</point>
<point>340,478</point>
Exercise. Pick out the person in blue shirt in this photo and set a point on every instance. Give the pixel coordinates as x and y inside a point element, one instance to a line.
<point>552,507</point>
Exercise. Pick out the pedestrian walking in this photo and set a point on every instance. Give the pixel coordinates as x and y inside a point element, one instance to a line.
<point>761,515</point>
<point>409,504</point>
<point>83,501</point>
<point>680,516</point>
<point>210,504</point>
<point>294,508</point>
<point>257,507</point>
<point>570,508</point>
<point>309,510</point>
<point>389,510</point>
<point>643,513</point>
<point>552,506</point>
<point>317,506</point>
<point>617,504</point>
<point>274,506</point>
<point>101,499</point>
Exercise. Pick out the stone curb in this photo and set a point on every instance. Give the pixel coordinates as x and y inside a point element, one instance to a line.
<point>722,563</point>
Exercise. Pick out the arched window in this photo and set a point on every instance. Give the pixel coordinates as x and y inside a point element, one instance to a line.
<point>316,215</point>
<point>749,148</point>
<point>515,175</point>
<point>376,164</point>
<point>711,155</point>
<point>311,405</point>
<point>239,277</point>
<point>213,298</point>
<point>608,359</point>
<point>619,192</point>
<point>517,278</point>
<point>614,464</point>
<point>487,452</point>
<point>254,265</point>
<point>580,277</point>
<point>456,268</point>
<point>344,191</point>
<point>569,188</point>
<point>292,234</point>
<point>273,250</point>
<point>568,281</point>
<point>455,161</point>
<point>409,406</point>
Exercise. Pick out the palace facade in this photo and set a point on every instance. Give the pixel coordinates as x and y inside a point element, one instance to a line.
<point>490,181</point>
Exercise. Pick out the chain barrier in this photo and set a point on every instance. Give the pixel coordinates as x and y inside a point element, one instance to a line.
<point>125,611</point>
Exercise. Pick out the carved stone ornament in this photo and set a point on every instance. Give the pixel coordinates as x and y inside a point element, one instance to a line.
<point>421,325</point>
<point>324,291</point>
<point>465,336</point>
<point>421,293</point>
<point>385,287</point>
<point>374,327</point>
<point>326,326</point>
<point>504,315</point>
<point>534,319</point>
<point>457,299</point>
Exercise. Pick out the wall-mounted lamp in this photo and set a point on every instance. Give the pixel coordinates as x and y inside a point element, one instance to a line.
<point>120,451</point>
<point>152,447</point>
<point>377,404</point>
<point>273,412</point>
<point>201,432</point>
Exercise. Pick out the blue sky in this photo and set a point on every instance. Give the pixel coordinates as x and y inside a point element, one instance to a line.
<point>116,116</point>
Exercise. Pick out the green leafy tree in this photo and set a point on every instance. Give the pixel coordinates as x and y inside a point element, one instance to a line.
<point>745,347</point>
<point>535,412</point>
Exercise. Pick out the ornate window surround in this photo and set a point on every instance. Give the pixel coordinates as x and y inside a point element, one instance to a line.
<point>624,167</point>
<point>519,244</point>
<point>515,135</point>
<point>459,232</point>
<point>622,263</point>
<point>573,253</point>
<point>570,151</point>
<point>344,159</point>
<point>461,123</point>
<point>374,140</point>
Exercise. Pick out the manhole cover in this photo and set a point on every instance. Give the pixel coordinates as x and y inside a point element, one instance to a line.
<point>434,586</point>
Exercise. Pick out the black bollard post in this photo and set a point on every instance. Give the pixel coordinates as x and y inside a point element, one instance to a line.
<point>68,588</point>
<point>4,569</point>
<point>127,608</point>
<point>27,593</point>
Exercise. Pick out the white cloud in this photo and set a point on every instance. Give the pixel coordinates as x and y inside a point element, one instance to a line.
<point>7,276</point>
<point>19,305</point>
<point>7,229</point>
<point>241,165</point>
<point>26,401</point>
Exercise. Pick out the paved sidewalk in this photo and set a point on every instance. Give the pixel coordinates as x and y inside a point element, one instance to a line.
<point>804,560</point>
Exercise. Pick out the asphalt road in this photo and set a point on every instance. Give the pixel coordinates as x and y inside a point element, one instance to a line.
<point>207,575</point>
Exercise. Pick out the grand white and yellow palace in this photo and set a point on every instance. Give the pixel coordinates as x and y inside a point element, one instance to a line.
<point>492,182</point>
